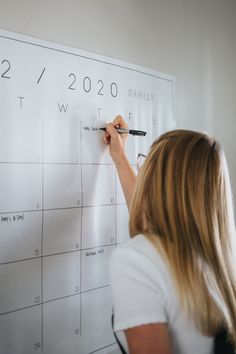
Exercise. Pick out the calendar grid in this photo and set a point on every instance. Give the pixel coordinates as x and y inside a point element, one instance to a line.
<point>59,226</point>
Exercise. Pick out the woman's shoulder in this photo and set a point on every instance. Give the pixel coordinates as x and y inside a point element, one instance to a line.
<point>139,256</point>
<point>139,246</point>
<point>138,242</point>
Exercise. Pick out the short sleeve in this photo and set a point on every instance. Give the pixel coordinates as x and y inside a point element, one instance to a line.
<point>136,289</point>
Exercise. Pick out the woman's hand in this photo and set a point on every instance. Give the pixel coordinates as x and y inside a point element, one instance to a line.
<point>115,140</point>
<point>116,143</point>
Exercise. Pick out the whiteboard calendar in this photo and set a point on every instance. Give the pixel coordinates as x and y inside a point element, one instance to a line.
<point>62,210</point>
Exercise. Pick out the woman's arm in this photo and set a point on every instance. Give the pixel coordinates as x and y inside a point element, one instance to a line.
<point>149,339</point>
<point>116,143</point>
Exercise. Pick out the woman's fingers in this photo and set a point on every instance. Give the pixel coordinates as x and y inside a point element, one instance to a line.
<point>114,139</point>
<point>106,138</point>
<point>120,122</point>
<point>111,136</point>
<point>111,130</point>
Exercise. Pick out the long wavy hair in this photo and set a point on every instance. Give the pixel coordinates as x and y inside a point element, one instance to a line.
<point>183,204</point>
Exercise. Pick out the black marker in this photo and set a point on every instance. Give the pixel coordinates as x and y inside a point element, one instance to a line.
<point>128,131</point>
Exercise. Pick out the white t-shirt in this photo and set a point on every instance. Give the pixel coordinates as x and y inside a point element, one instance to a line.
<point>144,292</point>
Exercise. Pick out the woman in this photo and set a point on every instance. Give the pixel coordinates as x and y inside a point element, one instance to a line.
<point>174,283</point>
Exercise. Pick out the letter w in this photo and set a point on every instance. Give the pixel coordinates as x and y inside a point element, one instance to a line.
<point>62,107</point>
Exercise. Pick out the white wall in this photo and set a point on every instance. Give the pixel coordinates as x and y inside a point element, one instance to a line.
<point>194,40</point>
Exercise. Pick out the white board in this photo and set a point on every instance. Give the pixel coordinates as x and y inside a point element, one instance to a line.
<point>62,210</point>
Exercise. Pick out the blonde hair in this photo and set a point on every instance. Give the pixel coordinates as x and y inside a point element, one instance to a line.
<point>183,204</point>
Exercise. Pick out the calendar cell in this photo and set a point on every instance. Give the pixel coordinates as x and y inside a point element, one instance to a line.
<point>62,186</point>
<point>96,320</point>
<point>26,326</point>
<point>94,151</point>
<point>20,235</point>
<point>62,130</point>
<point>61,275</point>
<point>61,230</point>
<point>98,185</point>
<point>59,335</point>
<point>20,285</point>
<point>98,226</point>
<point>21,128</point>
<point>20,187</point>
<point>95,265</point>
